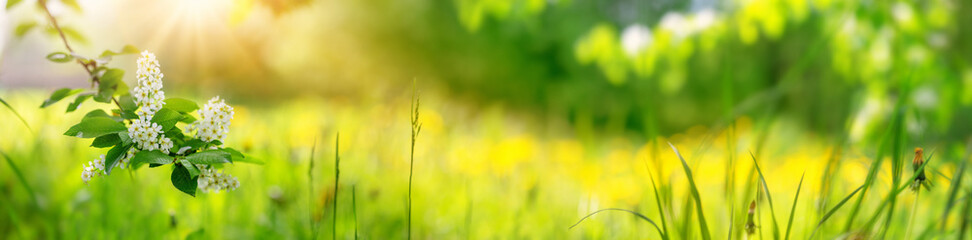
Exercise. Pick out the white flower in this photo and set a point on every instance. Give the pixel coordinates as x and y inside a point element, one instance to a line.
<point>86,174</point>
<point>93,168</point>
<point>214,181</point>
<point>165,144</point>
<point>99,163</point>
<point>704,19</point>
<point>145,134</point>
<point>128,157</point>
<point>676,24</point>
<point>214,121</point>
<point>635,38</point>
<point>150,98</point>
<point>148,94</point>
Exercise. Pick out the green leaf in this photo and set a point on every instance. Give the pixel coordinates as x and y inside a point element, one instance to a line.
<point>71,33</point>
<point>125,114</point>
<point>704,228</point>
<point>209,157</point>
<point>95,127</point>
<point>154,156</point>
<point>59,57</point>
<point>73,4</point>
<point>182,181</point>
<point>101,113</point>
<point>59,94</point>
<point>128,49</point>
<point>127,103</point>
<point>125,139</point>
<point>187,118</point>
<point>196,235</point>
<point>12,3</point>
<point>175,134</point>
<point>235,154</point>
<point>193,170</point>
<point>249,159</point>
<point>167,118</point>
<point>107,140</point>
<point>114,157</point>
<point>77,101</point>
<point>195,143</point>
<point>108,84</point>
<point>23,28</point>
<point>181,105</point>
<point>96,113</point>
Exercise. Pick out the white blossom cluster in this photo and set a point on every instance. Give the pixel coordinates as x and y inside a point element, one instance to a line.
<point>214,121</point>
<point>214,181</point>
<point>94,168</point>
<point>149,97</point>
<point>128,157</point>
<point>148,94</point>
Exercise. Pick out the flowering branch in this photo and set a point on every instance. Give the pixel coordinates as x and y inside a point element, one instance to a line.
<point>142,130</point>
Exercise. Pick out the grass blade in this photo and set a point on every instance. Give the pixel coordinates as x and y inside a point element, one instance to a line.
<point>20,176</point>
<point>639,215</point>
<point>354,209</point>
<point>871,175</point>
<point>789,223</point>
<point>892,194</point>
<point>769,198</point>
<point>337,174</point>
<point>965,217</point>
<point>703,227</point>
<point>310,191</point>
<point>14,218</point>
<point>658,200</point>
<point>17,114</point>
<point>893,132</point>
<point>833,210</point>
<point>952,192</point>
<point>897,163</point>
<point>732,216</point>
<point>416,128</point>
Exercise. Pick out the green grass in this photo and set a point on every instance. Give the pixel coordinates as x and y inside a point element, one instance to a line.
<point>337,176</point>
<point>703,226</point>
<point>639,215</point>
<point>536,197</point>
<point>832,211</point>
<point>769,197</point>
<point>953,189</point>
<point>658,201</point>
<point>14,111</point>
<point>789,223</point>
<point>416,128</point>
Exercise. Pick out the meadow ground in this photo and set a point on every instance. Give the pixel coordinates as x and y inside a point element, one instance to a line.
<point>481,173</point>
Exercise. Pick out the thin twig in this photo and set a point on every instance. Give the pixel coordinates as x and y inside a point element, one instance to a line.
<point>90,66</point>
<point>43,4</point>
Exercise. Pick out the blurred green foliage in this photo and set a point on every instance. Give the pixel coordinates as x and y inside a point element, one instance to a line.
<point>662,66</point>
